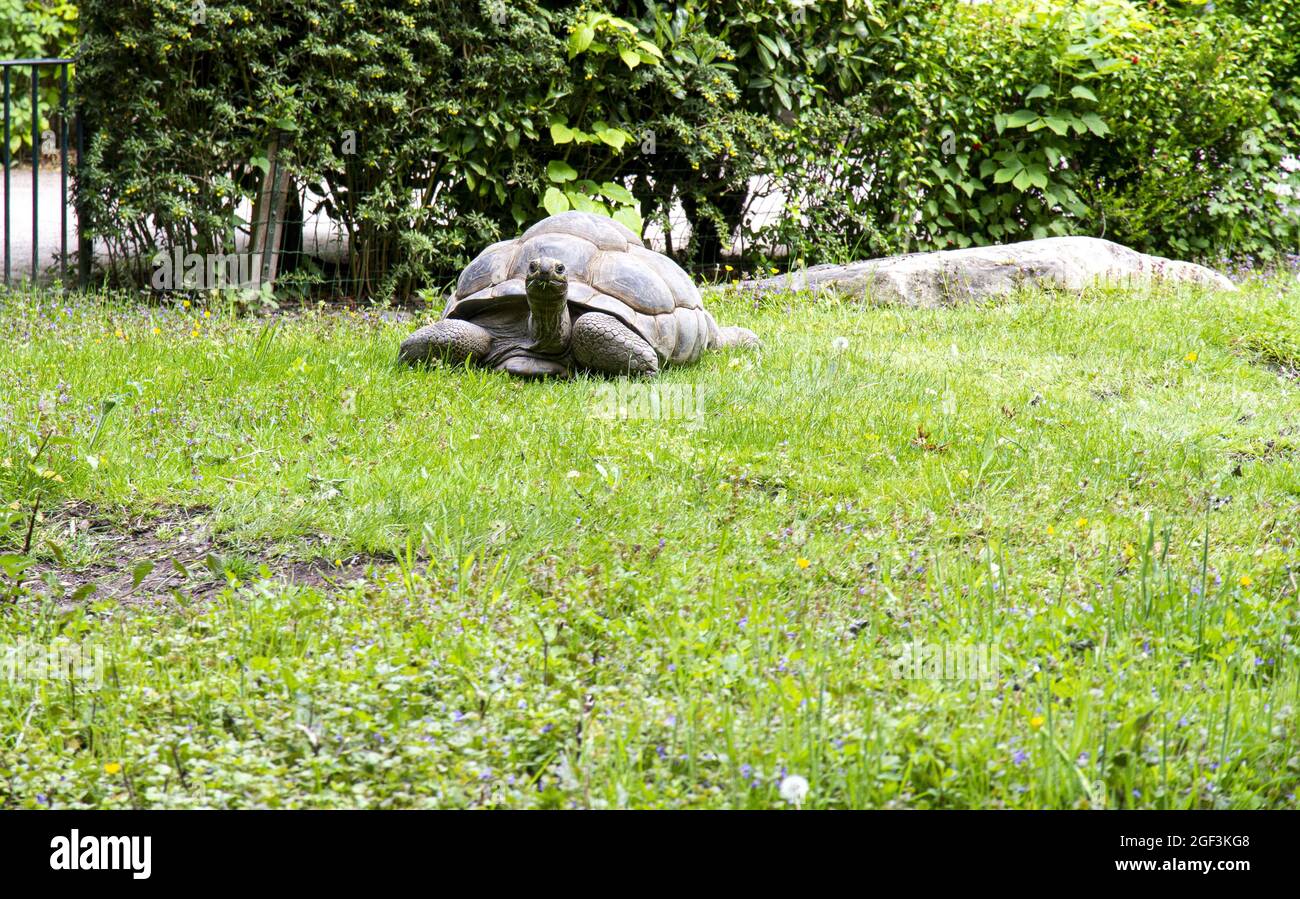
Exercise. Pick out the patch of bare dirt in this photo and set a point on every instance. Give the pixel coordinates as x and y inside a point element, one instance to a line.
<point>170,554</point>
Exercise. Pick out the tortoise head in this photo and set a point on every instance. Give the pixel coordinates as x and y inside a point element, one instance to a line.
<point>547,281</point>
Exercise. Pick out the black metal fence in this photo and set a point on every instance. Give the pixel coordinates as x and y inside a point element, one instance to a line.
<point>28,72</point>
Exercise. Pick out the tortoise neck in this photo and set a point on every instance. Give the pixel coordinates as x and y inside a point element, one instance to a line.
<point>549,325</point>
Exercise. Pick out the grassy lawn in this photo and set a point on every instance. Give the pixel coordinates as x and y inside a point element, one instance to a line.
<point>1036,554</point>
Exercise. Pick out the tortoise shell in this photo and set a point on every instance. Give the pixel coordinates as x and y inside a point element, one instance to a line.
<point>610,270</point>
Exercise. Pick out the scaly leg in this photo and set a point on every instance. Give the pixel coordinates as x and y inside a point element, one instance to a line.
<point>451,340</point>
<point>603,343</point>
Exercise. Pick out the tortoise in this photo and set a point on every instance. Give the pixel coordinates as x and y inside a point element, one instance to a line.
<point>576,291</point>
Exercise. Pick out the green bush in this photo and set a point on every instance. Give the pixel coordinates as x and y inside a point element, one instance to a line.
<point>31,29</point>
<point>1009,121</point>
<point>432,127</point>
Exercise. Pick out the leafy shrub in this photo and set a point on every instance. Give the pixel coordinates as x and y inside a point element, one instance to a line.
<point>1009,121</point>
<point>432,127</point>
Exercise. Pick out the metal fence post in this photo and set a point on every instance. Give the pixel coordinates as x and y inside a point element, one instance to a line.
<point>8,192</point>
<point>36,173</point>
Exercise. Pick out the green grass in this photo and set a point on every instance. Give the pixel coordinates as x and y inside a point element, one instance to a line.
<point>673,612</point>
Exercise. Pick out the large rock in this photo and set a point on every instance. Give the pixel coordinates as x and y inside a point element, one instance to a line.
<point>956,276</point>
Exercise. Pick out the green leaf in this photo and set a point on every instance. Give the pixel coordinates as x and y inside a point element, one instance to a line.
<point>560,132</point>
<point>1021,118</point>
<point>618,193</point>
<point>1022,181</point>
<point>560,171</point>
<point>580,39</point>
<point>782,95</point>
<point>1060,126</point>
<point>57,552</point>
<point>628,217</point>
<point>554,201</point>
<point>140,572</point>
<point>1083,93</point>
<point>584,203</point>
<point>615,137</point>
<point>261,162</point>
<point>215,565</point>
<point>14,565</point>
<point>1094,124</point>
<point>630,58</point>
<point>1039,90</point>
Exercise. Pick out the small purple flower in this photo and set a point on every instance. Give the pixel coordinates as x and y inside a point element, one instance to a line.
<point>1020,757</point>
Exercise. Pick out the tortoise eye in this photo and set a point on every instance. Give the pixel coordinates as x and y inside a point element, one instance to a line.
<point>559,268</point>
<point>532,266</point>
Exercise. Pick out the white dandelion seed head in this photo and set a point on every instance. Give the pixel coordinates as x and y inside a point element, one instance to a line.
<point>794,789</point>
<point>840,344</point>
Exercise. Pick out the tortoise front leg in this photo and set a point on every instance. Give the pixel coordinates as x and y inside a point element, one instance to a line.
<point>450,340</point>
<point>603,343</point>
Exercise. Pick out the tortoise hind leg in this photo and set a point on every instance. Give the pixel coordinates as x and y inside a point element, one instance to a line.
<point>730,336</point>
<point>603,343</point>
<point>451,340</point>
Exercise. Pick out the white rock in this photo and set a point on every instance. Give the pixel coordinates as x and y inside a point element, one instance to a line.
<point>950,277</point>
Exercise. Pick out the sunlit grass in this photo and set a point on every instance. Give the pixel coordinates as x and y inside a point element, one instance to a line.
<point>679,611</point>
